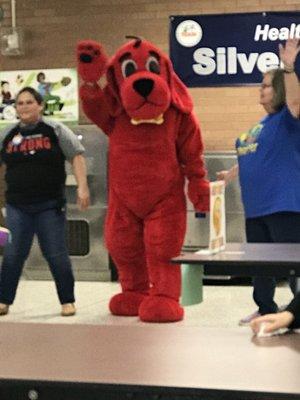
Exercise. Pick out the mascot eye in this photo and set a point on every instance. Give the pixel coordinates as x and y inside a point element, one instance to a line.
<point>152,65</point>
<point>128,68</point>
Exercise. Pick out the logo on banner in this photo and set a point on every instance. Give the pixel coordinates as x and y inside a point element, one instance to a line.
<point>188,33</point>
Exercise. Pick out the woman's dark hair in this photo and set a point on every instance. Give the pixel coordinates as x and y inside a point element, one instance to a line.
<point>38,98</point>
<point>277,79</point>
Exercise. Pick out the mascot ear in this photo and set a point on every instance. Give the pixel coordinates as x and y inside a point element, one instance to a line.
<point>180,96</point>
<point>112,93</point>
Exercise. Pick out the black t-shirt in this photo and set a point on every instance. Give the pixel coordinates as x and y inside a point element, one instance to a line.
<point>294,308</point>
<point>35,164</point>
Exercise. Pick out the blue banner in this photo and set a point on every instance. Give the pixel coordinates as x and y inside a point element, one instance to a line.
<point>229,49</point>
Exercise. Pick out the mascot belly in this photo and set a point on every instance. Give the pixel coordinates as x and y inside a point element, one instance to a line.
<point>154,145</point>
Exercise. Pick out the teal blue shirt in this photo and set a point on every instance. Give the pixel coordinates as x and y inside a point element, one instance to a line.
<point>269,165</point>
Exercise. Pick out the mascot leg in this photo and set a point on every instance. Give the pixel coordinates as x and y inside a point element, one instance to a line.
<point>164,238</point>
<point>124,239</point>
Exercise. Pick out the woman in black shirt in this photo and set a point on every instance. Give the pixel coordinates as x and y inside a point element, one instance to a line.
<point>34,153</point>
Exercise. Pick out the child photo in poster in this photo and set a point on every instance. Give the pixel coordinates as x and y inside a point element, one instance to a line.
<point>52,103</point>
<point>7,101</point>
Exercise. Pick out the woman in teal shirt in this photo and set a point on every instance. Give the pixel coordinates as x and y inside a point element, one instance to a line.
<point>269,170</point>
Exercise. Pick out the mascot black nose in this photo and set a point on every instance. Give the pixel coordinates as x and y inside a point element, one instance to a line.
<point>86,58</point>
<point>143,86</point>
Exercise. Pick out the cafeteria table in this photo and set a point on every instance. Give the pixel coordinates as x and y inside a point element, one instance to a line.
<point>145,362</point>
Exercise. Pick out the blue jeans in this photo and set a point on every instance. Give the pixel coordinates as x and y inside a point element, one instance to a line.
<point>281,227</point>
<point>47,220</point>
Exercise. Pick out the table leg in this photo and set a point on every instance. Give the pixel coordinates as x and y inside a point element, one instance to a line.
<point>191,284</point>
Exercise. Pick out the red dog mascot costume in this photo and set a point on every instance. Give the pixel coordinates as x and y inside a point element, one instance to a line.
<point>154,143</point>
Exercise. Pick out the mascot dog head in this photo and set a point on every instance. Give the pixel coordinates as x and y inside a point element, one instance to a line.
<point>141,81</point>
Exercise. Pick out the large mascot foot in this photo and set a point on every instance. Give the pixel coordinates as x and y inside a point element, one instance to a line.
<point>160,309</point>
<point>126,303</point>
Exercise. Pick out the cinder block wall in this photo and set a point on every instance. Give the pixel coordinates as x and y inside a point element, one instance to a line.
<point>52,28</point>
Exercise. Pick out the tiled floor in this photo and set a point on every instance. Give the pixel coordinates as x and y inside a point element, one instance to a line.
<point>223,306</point>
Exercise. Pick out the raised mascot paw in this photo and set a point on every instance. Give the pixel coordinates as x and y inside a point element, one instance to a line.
<point>92,60</point>
<point>160,309</point>
<point>126,303</point>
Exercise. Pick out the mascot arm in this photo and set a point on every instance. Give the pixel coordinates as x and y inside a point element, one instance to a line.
<point>190,151</point>
<point>95,107</point>
<point>92,62</point>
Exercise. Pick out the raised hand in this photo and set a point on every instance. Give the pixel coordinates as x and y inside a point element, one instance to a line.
<point>91,59</point>
<point>289,52</point>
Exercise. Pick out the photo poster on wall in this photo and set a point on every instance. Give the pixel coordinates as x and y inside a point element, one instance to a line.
<point>58,88</point>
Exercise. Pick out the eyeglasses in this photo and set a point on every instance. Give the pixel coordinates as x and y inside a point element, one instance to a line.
<point>23,103</point>
<point>264,85</point>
